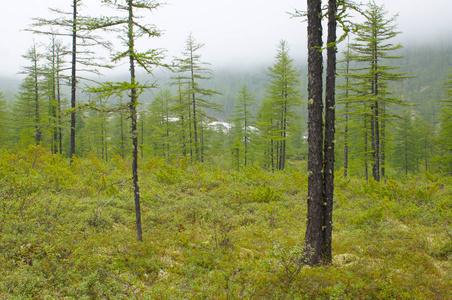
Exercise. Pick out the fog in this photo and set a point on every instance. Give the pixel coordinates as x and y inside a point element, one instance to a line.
<point>236,33</point>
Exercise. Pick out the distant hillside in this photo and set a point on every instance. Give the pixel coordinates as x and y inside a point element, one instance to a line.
<point>9,87</point>
<point>428,64</point>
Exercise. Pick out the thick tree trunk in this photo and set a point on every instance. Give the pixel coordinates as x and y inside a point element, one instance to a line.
<point>313,237</point>
<point>330,121</point>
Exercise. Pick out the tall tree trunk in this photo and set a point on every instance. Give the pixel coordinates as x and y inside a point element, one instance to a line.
<point>142,135</point>
<point>133,112</point>
<point>246,135</point>
<point>313,237</point>
<point>195,125</point>
<point>190,129</point>
<point>347,79</point>
<point>284,130</point>
<point>167,135</point>
<point>73,77</point>
<point>376,168</point>
<point>37,116</point>
<point>60,135</point>
<point>383,142</point>
<point>330,121</point>
<point>366,148</point>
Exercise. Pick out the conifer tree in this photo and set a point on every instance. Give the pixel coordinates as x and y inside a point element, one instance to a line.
<point>407,148</point>
<point>244,118</point>
<point>4,121</point>
<point>267,127</point>
<point>24,111</point>
<point>53,76</point>
<point>191,71</point>
<point>131,30</point>
<point>31,88</point>
<point>314,231</point>
<point>284,95</point>
<point>345,99</point>
<point>321,132</point>
<point>445,132</point>
<point>373,48</point>
<point>181,112</point>
<point>160,119</point>
<point>73,25</point>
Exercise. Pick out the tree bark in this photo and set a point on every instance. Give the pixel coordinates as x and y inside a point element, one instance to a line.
<point>73,78</point>
<point>330,120</point>
<point>36,86</point>
<point>133,112</point>
<point>313,237</point>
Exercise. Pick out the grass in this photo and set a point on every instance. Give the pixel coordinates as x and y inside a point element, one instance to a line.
<point>68,232</point>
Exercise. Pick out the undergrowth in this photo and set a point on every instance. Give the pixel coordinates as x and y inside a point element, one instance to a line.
<point>68,232</point>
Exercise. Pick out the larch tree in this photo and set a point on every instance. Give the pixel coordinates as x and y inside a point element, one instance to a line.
<point>373,48</point>
<point>4,128</point>
<point>24,128</point>
<point>445,133</point>
<point>284,95</point>
<point>267,128</point>
<point>243,117</point>
<point>77,28</point>
<point>408,147</point>
<point>53,80</point>
<point>31,87</point>
<point>321,133</point>
<point>314,226</point>
<point>181,111</point>
<point>130,30</point>
<point>191,71</point>
<point>160,121</point>
<point>345,99</point>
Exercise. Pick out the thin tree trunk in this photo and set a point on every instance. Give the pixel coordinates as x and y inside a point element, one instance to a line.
<point>284,131</point>
<point>347,79</point>
<point>73,78</point>
<point>246,135</point>
<point>195,127</point>
<point>383,142</point>
<point>122,135</point>
<point>38,133</point>
<point>366,149</point>
<point>142,135</point>
<point>60,136</point>
<point>376,146</point>
<point>313,237</point>
<point>133,111</point>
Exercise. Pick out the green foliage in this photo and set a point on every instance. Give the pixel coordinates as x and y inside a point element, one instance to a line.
<point>446,128</point>
<point>68,231</point>
<point>276,118</point>
<point>4,130</point>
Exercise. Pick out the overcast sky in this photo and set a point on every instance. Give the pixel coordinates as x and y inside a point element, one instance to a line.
<point>235,32</point>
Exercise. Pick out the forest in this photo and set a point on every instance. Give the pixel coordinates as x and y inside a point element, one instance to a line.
<point>173,179</point>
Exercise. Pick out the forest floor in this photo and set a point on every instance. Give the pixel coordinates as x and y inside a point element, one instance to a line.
<point>68,232</point>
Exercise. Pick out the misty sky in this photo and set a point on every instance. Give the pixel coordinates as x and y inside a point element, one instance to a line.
<point>235,32</point>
